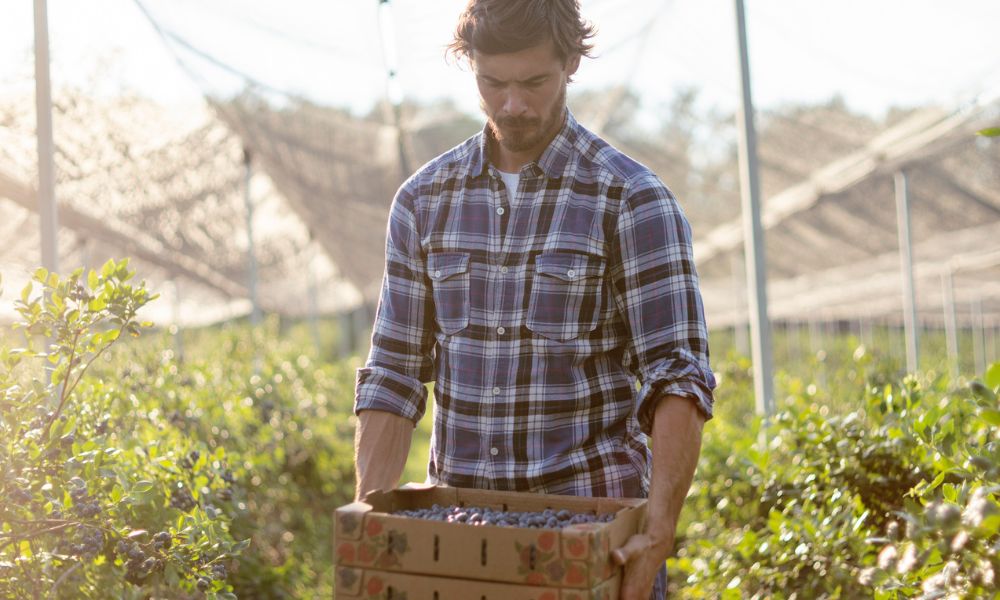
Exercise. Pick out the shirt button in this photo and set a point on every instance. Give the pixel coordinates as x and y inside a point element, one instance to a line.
<point>501,330</point>
<point>500,211</point>
<point>496,391</point>
<point>503,269</point>
<point>571,273</point>
<point>437,273</point>
<point>494,451</point>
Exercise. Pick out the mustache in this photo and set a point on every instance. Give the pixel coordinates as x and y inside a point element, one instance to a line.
<point>517,122</point>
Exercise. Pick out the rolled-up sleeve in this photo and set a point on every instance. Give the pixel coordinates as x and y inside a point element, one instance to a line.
<point>401,357</point>
<point>656,293</point>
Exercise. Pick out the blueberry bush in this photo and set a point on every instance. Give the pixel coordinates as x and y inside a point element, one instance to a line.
<point>894,498</point>
<point>85,506</point>
<point>126,472</point>
<point>132,466</point>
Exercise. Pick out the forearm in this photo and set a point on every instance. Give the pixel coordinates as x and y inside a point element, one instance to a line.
<point>677,429</point>
<point>381,446</point>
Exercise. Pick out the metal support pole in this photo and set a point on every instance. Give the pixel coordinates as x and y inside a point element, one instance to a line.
<point>175,328</point>
<point>815,343</point>
<point>346,328</point>
<point>990,334</point>
<point>387,32</point>
<point>313,294</point>
<point>47,214</point>
<point>906,268</point>
<point>950,322</point>
<point>753,235</point>
<point>978,340</point>
<point>792,342</point>
<point>251,254</point>
<point>740,339</point>
<point>898,347</point>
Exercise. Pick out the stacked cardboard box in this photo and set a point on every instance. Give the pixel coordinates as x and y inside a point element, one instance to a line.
<point>392,557</point>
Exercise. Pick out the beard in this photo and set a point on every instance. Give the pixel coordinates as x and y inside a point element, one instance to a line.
<point>518,134</point>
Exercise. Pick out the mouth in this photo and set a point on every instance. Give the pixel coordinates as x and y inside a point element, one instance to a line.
<point>516,125</point>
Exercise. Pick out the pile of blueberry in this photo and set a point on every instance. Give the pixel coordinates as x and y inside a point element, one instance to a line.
<point>139,564</point>
<point>84,506</point>
<point>86,542</point>
<point>181,498</point>
<point>474,515</point>
<point>218,572</point>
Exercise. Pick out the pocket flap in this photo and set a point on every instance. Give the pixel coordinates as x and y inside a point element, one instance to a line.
<point>569,267</point>
<point>442,265</point>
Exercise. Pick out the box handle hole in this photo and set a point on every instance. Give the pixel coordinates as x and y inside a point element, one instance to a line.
<point>437,544</point>
<point>531,558</point>
<point>483,553</point>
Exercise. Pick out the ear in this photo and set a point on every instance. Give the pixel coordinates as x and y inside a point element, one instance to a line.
<point>572,65</point>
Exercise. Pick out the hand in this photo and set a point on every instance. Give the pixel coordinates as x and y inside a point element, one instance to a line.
<point>642,559</point>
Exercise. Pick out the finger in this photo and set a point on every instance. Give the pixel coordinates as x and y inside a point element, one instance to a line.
<point>632,548</point>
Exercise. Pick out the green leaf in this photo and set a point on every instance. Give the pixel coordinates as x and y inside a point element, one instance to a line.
<point>992,376</point>
<point>950,492</point>
<point>165,462</point>
<point>990,132</point>
<point>991,416</point>
<point>141,487</point>
<point>93,279</point>
<point>69,425</point>
<point>41,275</point>
<point>109,268</point>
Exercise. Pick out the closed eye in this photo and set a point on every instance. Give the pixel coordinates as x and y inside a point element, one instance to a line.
<point>489,81</point>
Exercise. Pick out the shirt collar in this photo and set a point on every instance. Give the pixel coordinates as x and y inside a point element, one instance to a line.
<point>551,163</point>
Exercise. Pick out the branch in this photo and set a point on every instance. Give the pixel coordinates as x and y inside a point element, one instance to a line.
<point>69,571</point>
<point>14,538</point>
<point>64,395</point>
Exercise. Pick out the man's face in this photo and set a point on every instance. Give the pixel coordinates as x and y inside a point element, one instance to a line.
<point>523,95</point>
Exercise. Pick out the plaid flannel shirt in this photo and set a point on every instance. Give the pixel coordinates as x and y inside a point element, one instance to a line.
<point>535,320</point>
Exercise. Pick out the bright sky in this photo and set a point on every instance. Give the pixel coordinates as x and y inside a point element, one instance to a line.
<point>875,53</point>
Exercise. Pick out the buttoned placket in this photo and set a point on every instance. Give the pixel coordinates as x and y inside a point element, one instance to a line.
<point>500,228</point>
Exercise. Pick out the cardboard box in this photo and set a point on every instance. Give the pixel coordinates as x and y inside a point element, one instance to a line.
<point>381,555</point>
<point>371,583</point>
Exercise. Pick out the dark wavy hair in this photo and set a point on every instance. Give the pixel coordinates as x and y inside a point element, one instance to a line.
<point>503,26</point>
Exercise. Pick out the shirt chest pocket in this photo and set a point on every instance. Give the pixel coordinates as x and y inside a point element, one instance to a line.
<point>449,275</point>
<point>566,295</point>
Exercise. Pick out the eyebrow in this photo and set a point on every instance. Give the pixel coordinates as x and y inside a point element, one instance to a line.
<point>535,79</point>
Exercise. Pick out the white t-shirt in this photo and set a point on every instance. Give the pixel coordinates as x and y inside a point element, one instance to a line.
<point>510,181</point>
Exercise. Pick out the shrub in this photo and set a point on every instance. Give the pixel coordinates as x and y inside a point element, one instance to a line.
<point>86,505</point>
<point>893,499</point>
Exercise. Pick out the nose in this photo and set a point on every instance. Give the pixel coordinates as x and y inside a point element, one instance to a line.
<point>514,104</point>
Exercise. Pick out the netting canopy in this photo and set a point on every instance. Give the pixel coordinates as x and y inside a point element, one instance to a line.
<point>135,180</point>
<point>832,239</point>
<point>169,188</point>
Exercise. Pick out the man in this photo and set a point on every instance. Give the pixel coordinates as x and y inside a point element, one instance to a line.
<point>534,273</point>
